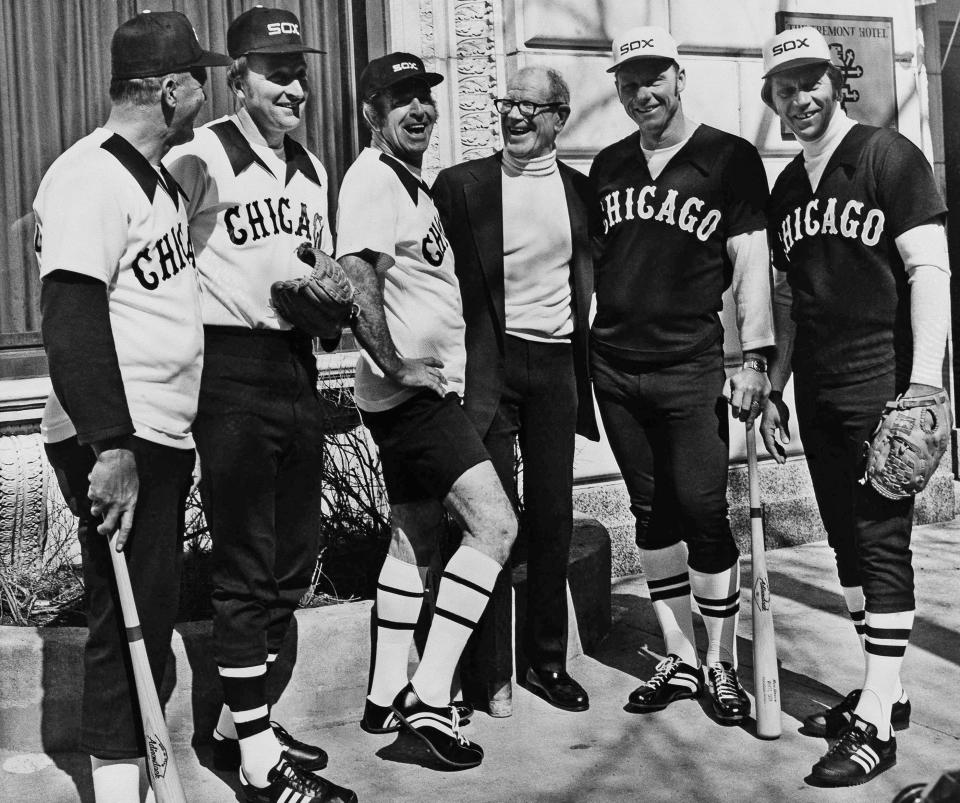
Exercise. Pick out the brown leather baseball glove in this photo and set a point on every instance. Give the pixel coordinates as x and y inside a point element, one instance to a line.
<point>320,303</point>
<point>907,444</point>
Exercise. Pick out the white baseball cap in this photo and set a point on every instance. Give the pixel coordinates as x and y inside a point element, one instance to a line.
<point>644,42</point>
<point>795,47</point>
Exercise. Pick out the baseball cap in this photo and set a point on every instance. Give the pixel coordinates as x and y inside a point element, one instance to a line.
<point>392,69</point>
<point>644,42</point>
<point>266,30</point>
<point>157,43</point>
<point>795,47</point>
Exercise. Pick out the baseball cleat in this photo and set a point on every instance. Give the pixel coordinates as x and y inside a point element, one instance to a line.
<point>831,722</point>
<point>731,706</point>
<point>226,752</point>
<point>673,680</point>
<point>289,783</point>
<point>378,718</point>
<point>438,729</point>
<point>856,757</point>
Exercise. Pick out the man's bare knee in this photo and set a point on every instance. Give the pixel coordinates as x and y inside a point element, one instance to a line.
<point>414,531</point>
<point>480,505</point>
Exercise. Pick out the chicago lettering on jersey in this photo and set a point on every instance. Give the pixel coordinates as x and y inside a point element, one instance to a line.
<point>264,218</point>
<point>821,217</point>
<point>652,202</point>
<point>168,255</point>
<point>435,244</point>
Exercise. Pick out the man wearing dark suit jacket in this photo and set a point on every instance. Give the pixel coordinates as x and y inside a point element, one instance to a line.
<point>518,225</point>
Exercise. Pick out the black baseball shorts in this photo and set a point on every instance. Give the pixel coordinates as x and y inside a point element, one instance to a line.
<point>426,444</point>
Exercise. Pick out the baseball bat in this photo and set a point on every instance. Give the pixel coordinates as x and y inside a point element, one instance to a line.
<point>766,681</point>
<point>161,766</point>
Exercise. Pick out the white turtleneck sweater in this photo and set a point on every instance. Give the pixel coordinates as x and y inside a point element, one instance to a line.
<point>537,248</point>
<point>923,250</point>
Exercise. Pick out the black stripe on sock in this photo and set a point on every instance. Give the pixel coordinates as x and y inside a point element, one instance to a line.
<point>398,591</point>
<point>716,603</point>
<point>859,629</point>
<point>682,591</point>
<point>244,694</point>
<point>386,623</point>
<point>464,582</point>
<point>668,581</point>
<point>901,634</point>
<point>885,650</point>
<point>858,616</point>
<point>724,613</point>
<point>455,617</point>
<point>247,729</point>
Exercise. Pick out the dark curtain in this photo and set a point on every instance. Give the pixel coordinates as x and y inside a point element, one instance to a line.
<point>54,81</point>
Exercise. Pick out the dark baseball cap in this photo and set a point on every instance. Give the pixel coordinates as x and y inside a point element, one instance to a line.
<point>157,43</point>
<point>266,30</point>
<point>391,69</point>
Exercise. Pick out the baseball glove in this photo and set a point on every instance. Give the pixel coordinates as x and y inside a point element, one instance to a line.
<point>320,303</point>
<point>907,444</point>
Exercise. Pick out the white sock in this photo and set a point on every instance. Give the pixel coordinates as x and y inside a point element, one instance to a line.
<point>122,780</point>
<point>244,689</point>
<point>399,601</point>
<point>462,596</point>
<point>886,636</point>
<point>853,596</point>
<point>718,598</point>
<point>668,581</point>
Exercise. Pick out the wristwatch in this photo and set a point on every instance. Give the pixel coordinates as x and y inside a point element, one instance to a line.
<point>758,364</point>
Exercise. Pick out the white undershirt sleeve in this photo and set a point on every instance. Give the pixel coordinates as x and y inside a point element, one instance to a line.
<point>923,250</point>
<point>750,255</point>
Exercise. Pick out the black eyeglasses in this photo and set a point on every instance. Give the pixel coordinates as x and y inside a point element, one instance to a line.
<point>527,108</point>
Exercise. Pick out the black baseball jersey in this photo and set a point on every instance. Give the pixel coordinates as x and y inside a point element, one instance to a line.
<point>851,300</point>
<point>664,263</point>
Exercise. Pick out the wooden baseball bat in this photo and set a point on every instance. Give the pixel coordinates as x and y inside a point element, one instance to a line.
<point>161,766</point>
<point>766,680</point>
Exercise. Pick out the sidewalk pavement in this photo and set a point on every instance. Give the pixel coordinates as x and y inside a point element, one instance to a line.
<point>680,754</point>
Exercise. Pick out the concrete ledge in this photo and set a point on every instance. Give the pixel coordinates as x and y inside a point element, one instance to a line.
<point>791,516</point>
<point>41,669</point>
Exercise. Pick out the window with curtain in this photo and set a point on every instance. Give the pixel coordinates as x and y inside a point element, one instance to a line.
<point>54,82</point>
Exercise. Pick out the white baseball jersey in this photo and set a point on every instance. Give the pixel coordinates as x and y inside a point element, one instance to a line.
<point>104,211</point>
<point>249,209</point>
<point>385,207</point>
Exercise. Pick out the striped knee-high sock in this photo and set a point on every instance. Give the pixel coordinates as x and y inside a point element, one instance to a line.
<point>853,596</point>
<point>399,600</point>
<point>245,693</point>
<point>718,598</point>
<point>462,596</point>
<point>885,642</point>
<point>225,728</point>
<point>668,581</point>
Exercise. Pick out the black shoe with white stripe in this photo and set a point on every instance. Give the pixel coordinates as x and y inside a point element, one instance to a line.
<point>673,680</point>
<point>856,757</point>
<point>438,729</point>
<point>289,783</point>
<point>379,718</point>
<point>226,752</point>
<point>829,723</point>
<point>731,706</point>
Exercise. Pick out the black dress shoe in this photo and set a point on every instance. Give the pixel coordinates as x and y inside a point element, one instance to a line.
<point>558,689</point>
<point>226,752</point>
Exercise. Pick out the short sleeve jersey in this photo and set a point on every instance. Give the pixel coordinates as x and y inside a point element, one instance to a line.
<point>385,207</point>
<point>851,300</point>
<point>102,210</point>
<point>249,210</point>
<point>664,264</point>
